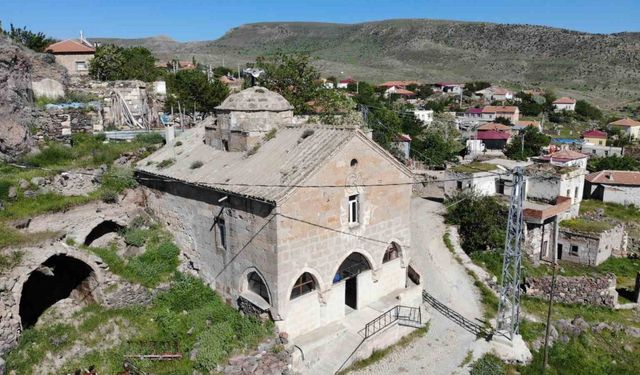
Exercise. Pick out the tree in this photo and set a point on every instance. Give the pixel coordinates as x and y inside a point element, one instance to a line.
<point>588,111</point>
<point>192,90</point>
<point>139,63</point>
<point>481,221</point>
<point>528,105</point>
<point>471,87</point>
<point>111,63</point>
<point>527,144</point>
<point>107,63</point>
<point>502,120</point>
<point>617,163</point>
<point>220,71</point>
<point>433,149</point>
<point>35,41</point>
<point>292,76</point>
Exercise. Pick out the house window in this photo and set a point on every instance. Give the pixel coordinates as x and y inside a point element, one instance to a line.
<point>576,195</point>
<point>393,251</point>
<point>593,152</point>
<point>257,285</point>
<point>222,234</point>
<point>574,250</point>
<point>81,66</point>
<point>606,152</point>
<point>305,284</point>
<point>354,209</point>
<point>459,185</point>
<point>568,193</point>
<point>354,162</point>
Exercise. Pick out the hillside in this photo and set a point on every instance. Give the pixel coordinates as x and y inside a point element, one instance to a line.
<point>596,66</point>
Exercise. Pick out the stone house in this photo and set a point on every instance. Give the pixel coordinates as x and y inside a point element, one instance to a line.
<point>591,248</point>
<point>73,54</point>
<point>622,187</point>
<point>629,127</point>
<point>565,158</point>
<point>564,104</point>
<point>509,112</point>
<point>296,221</point>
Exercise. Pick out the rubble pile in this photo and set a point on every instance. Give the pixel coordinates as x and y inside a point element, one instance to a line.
<point>271,358</point>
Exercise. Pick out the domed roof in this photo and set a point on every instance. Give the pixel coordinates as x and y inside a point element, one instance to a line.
<point>255,99</point>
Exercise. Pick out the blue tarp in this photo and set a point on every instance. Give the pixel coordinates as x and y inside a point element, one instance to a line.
<point>74,105</point>
<point>567,141</point>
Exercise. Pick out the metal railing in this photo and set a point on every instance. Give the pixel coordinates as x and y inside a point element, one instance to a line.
<point>471,326</point>
<point>401,314</point>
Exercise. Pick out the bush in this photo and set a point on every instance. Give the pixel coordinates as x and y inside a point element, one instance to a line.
<point>150,138</point>
<point>136,237</point>
<point>119,179</point>
<point>53,154</point>
<point>166,163</point>
<point>487,365</point>
<point>196,164</point>
<point>109,196</point>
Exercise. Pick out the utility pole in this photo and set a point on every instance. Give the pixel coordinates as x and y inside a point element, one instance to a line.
<point>554,257</point>
<point>509,307</point>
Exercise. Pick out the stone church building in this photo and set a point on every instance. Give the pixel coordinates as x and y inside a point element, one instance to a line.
<point>307,223</point>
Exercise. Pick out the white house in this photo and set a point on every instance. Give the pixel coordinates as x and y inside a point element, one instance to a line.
<point>622,187</point>
<point>495,93</point>
<point>449,87</point>
<point>630,127</point>
<point>564,104</point>
<point>565,158</point>
<point>344,83</point>
<point>424,115</point>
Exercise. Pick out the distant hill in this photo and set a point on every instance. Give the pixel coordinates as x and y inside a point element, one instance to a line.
<point>603,68</point>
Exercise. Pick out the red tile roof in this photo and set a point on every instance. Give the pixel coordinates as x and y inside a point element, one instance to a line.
<point>564,100</point>
<point>615,178</point>
<point>494,126</point>
<point>403,138</point>
<point>348,80</point>
<point>398,83</point>
<point>626,122</point>
<point>499,109</point>
<point>594,134</point>
<point>564,155</point>
<point>403,92</point>
<point>535,124</point>
<point>492,135</point>
<point>474,110</point>
<point>70,46</point>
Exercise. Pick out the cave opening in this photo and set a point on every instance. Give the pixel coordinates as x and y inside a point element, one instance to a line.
<point>53,280</point>
<point>101,229</point>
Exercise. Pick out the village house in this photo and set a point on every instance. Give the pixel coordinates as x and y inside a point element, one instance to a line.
<point>492,112</point>
<point>622,187</point>
<point>565,158</point>
<point>493,139</point>
<point>629,127</point>
<point>402,142</point>
<point>564,104</point>
<point>73,54</point>
<point>494,93</point>
<point>449,87</point>
<point>289,220</point>
<point>600,151</point>
<point>473,114</point>
<point>344,83</point>
<point>595,137</point>
<point>591,248</point>
<point>494,126</point>
<point>424,115</point>
<point>524,124</point>
<point>398,84</point>
<point>393,90</point>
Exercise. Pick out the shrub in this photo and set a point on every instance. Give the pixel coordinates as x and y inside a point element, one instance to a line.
<point>150,138</point>
<point>487,365</point>
<point>196,164</point>
<point>271,134</point>
<point>109,196</point>
<point>136,237</point>
<point>53,154</point>
<point>166,163</point>
<point>118,179</point>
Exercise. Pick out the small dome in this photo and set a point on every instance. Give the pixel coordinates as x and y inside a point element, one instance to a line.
<point>255,99</point>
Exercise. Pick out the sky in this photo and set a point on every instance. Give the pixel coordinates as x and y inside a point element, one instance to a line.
<point>189,20</point>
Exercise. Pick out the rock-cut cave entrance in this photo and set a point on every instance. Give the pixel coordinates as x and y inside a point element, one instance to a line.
<point>53,280</point>
<point>101,229</point>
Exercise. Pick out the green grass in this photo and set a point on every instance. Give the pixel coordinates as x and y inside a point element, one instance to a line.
<point>9,260</point>
<point>620,212</point>
<point>473,167</point>
<point>155,265</point>
<point>380,354</point>
<point>586,226</point>
<point>488,365</point>
<point>187,315</point>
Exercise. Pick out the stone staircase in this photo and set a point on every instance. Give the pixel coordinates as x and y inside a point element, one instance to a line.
<point>327,357</point>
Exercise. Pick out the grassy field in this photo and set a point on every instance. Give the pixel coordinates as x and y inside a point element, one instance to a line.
<point>189,315</point>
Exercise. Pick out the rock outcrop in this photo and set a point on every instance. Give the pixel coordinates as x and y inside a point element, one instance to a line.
<point>18,68</point>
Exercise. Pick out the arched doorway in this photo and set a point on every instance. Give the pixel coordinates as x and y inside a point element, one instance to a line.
<point>348,272</point>
<point>52,281</point>
<point>107,226</point>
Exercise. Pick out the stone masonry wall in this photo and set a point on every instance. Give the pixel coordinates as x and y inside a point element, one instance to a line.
<point>585,290</point>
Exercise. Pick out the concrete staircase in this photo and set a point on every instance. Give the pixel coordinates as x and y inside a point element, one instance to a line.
<point>326,358</point>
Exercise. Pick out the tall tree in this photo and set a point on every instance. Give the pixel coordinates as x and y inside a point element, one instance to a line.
<point>139,63</point>
<point>617,163</point>
<point>191,89</point>
<point>107,63</point>
<point>35,41</point>
<point>527,144</point>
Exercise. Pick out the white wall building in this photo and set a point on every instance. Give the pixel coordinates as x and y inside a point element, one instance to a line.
<point>564,104</point>
<point>622,187</point>
<point>424,115</point>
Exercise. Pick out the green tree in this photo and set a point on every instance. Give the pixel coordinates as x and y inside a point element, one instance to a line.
<point>527,144</point>
<point>617,163</point>
<point>35,41</point>
<point>292,76</point>
<point>192,90</point>
<point>433,149</point>
<point>108,63</point>
<point>481,221</point>
<point>139,63</point>
<point>528,105</point>
<point>588,111</point>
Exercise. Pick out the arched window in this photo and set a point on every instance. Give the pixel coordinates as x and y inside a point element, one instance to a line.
<point>393,252</point>
<point>305,284</point>
<point>257,285</point>
<point>351,267</point>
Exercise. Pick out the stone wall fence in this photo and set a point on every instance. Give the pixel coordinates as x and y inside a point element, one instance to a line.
<point>585,290</point>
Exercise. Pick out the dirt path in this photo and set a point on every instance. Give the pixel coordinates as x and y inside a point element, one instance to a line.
<point>446,345</point>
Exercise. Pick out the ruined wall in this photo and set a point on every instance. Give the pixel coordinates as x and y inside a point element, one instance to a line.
<point>241,130</point>
<point>320,247</point>
<point>585,290</point>
<point>622,194</point>
<point>539,240</point>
